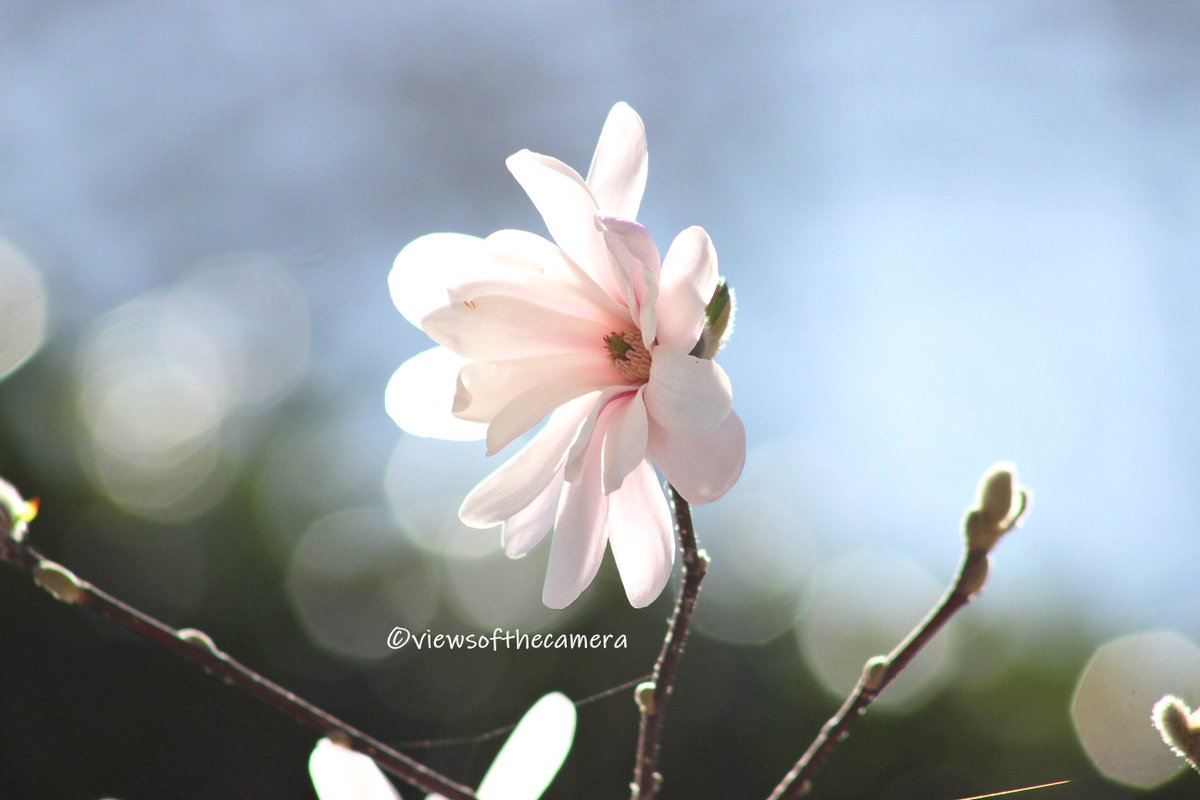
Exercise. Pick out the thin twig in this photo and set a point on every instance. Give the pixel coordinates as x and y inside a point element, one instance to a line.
<point>652,698</point>
<point>798,781</point>
<point>879,672</point>
<point>196,647</point>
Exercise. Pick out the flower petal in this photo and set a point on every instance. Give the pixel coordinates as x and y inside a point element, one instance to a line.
<point>688,279</point>
<point>635,258</point>
<point>574,465</point>
<point>624,445</point>
<point>339,773</point>
<point>428,267</point>
<point>578,545</point>
<point>520,480</point>
<point>497,327</point>
<point>617,176</point>
<point>534,752</point>
<point>527,409</point>
<point>525,530</point>
<point>568,209</point>
<point>642,536</point>
<point>523,252</point>
<point>486,387</point>
<point>687,394</point>
<point>420,397</point>
<point>704,467</point>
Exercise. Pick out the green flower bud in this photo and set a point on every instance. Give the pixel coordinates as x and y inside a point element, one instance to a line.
<point>718,322</point>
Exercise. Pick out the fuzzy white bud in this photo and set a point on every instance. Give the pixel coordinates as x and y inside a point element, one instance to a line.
<point>1000,503</point>
<point>1179,727</point>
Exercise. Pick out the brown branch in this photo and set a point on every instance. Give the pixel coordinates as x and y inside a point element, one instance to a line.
<point>196,647</point>
<point>652,697</point>
<point>983,526</point>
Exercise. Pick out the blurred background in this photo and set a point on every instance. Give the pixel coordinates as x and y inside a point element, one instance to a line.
<point>958,233</point>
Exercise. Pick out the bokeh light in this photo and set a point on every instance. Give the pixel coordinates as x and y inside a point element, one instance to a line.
<point>1114,696</point>
<point>425,483</point>
<point>353,578</point>
<point>501,592</point>
<point>160,375</point>
<point>754,587</point>
<point>863,604</point>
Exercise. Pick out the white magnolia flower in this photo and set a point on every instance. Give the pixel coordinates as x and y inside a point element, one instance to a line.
<point>523,768</point>
<point>593,331</point>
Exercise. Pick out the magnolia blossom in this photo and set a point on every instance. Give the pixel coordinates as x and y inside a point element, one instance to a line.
<point>523,768</point>
<point>594,331</point>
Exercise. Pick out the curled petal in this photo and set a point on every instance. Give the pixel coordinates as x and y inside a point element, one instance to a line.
<point>485,387</point>
<point>575,291</point>
<point>420,397</point>
<point>704,467</point>
<point>568,209</point>
<point>428,267</point>
<point>339,773</point>
<point>617,176</point>
<point>521,479</point>
<point>687,394</point>
<point>528,408</point>
<point>640,531</point>
<point>497,327</point>
<point>534,752</point>
<point>689,277</point>
<point>635,258</point>
<point>579,540</point>
<point>525,530</point>
<point>624,445</point>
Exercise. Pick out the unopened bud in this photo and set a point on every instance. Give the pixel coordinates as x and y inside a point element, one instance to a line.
<point>974,573</point>
<point>58,581</point>
<point>199,638</point>
<point>718,322</point>
<point>1179,727</point>
<point>15,511</point>
<point>643,695</point>
<point>999,505</point>
<point>873,673</point>
<point>996,492</point>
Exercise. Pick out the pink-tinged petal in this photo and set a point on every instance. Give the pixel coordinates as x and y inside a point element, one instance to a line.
<point>496,327</point>
<point>701,468</point>
<point>486,387</point>
<point>339,773</point>
<point>641,533</point>
<point>687,394</point>
<point>420,397</point>
<point>636,260</point>
<point>617,176</point>
<point>525,530</point>
<point>520,480</point>
<point>688,279</point>
<point>568,209</point>
<point>578,545</point>
<point>525,252</point>
<point>428,267</point>
<point>624,440</point>
<point>528,408</point>
<point>575,456</point>
<point>527,763</point>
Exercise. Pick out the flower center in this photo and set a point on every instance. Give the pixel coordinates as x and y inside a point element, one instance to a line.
<point>629,356</point>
